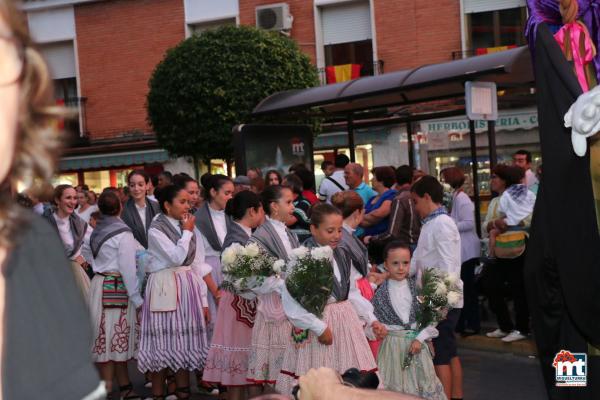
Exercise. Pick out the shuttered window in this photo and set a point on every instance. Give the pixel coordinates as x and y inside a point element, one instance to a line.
<point>347,22</point>
<point>475,6</point>
<point>60,57</point>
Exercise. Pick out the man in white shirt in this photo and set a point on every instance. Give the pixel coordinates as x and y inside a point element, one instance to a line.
<point>439,247</point>
<point>522,158</point>
<point>336,182</point>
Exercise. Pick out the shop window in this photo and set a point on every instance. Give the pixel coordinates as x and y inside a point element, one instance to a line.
<point>363,153</point>
<point>97,180</point>
<point>65,179</point>
<point>497,28</point>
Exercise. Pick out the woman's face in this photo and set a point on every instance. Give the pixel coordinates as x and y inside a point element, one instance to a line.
<point>68,201</point>
<point>377,185</point>
<point>220,197</point>
<point>328,232</point>
<point>496,184</point>
<point>82,199</point>
<point>274,179</point>
<point>283,208</point>
<point>9,99</point>
<point>194,191</point>
<point>180,205</point>
<point>137,187</point>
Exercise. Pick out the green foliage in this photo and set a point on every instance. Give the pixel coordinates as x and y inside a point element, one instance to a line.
<point>310,283</point>
<point>211,82</point>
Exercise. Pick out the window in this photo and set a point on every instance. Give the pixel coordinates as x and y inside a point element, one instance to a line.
<point>351,53</point>
<point>199,28</point>
<point>497,28</point>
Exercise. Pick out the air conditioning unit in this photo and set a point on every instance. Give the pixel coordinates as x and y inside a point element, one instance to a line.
<point>274,17</point>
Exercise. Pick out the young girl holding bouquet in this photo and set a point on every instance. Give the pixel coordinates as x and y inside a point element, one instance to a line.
<point>336,340</point>
<point>271,334</point>
<point>405,359</point>
<point>227,362</point>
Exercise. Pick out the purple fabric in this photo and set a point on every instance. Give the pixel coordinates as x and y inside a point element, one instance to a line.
<point>547,11</point>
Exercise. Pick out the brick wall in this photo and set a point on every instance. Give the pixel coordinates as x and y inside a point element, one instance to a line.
<point>119,43</point>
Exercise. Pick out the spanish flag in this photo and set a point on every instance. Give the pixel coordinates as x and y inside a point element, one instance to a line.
<point>488,50</point>
<point>342,73</point>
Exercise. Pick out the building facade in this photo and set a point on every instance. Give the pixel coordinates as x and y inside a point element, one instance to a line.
<point>102,52</point>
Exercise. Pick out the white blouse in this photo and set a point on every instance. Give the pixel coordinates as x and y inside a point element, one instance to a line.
<point>163,253</point>
<point>85,215</point>
<point>64,231</point>
<point>117,254</point>
<point>281,230</point>
<point>401,300</point>
<point>142,213</point>
<point>218,219</point>
<point>303,319</point>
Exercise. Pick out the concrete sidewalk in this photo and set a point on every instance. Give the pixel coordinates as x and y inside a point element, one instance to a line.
<point>481,342</point>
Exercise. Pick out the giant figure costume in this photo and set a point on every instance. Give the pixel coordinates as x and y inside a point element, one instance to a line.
<point>562,270</point>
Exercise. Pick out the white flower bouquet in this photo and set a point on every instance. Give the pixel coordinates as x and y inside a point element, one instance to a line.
<point>440,292</point>
<point>311,279</point>
<point>246,267</point>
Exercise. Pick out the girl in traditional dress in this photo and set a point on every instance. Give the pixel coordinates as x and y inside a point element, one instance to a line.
<point>73,232</point>
<point>139,210</point>
<point>396,304</point>
<point>193,189</point>
<point>173,329</point>
<point>351,205</point>
<point>213,224</point>
<point>114,296</point>
<point>85,209</point>
<point>338,340</point>
<point>227,362</point>
<point>271,334</point>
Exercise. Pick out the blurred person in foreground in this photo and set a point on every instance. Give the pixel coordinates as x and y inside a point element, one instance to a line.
<point>45,338</point>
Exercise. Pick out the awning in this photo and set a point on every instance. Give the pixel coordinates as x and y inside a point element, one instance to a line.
<point>419,85</point>
<point>113,160</point>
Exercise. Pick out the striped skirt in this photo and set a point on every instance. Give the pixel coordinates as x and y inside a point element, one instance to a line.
<point>174,339</point>
<point>217,275</point>
<point>116,330</point>
<point>419,378</point>
<point>349,349</point>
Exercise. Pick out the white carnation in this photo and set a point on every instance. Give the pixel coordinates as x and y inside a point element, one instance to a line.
<point>299,252</point>
<point>452,279</point>
<point>441,289</point>
<point>322,253</point>
<point>252,250</point>
<point>278,266</point>
<point>454,298</point>
<point>238,283</point>
<point>229,255</point>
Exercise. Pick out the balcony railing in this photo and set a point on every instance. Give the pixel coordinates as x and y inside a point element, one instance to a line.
<point>375,68</point>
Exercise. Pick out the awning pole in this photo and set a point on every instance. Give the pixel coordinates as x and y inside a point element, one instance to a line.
<point>475,177</point>
<point>351,138</point>
<point>492,144</point>
<point>411,147</point>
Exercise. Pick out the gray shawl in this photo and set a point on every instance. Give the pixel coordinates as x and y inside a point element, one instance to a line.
<point>131,217</point>
<point>384,311</point>
<point>78,228</point>
<point>235,234</point>
<point>162,224</point>
<point>358,252</point>
<point>106,228</point>
<point>342,257</point>
<point>205,225</point>
<point>267,238</point>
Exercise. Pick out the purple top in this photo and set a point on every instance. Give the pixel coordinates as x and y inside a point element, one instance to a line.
<point>463,214</point>
<point>548,11</point>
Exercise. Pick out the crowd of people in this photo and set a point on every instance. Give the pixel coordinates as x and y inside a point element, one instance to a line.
<point>147,260</point>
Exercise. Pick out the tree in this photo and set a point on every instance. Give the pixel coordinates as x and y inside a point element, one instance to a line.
<point>211,82</point>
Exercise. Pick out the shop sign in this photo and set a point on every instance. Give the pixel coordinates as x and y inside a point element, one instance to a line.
<point>517,120</point>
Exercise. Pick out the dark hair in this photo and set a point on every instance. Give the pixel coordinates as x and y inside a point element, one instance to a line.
<point>393,245</point>
<point>182,180</point>
<point>24,200</point>
<point>347,202</point>
<point>139,172</point>
<point>293,182</point>
<point>319,211</point>
<point>167,195</point>
<point>269,172</point>
<point>58,192</point>
<point>404,175</point>
<point>510,174</point>
<point>110,189</point>
<point>239,204</point>
<point>166,174</point>
<point>524,153</point>
<point>361,379</point>
<point>325,164</point>
<point>258,183</point>
<point>454,176</point>
<point>109,203</point>
<point>385,175</point>
<point>307,177</point>
<point>216,182</point>
<point>428,184</point>
<point>95,215</point>
<point>271,194</point>
<point>296,167</point>
<point>341,160</point>
<point>154,180</point>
